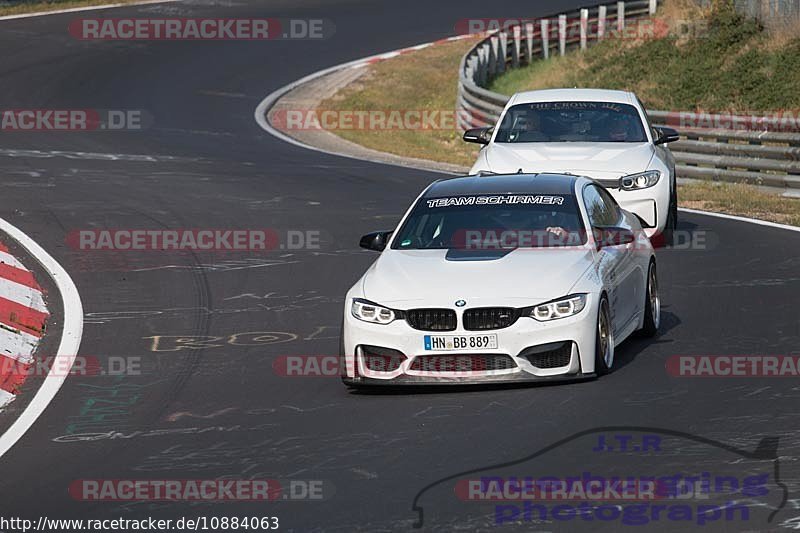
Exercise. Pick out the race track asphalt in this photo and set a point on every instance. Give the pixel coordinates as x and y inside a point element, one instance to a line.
<point>201,411</point>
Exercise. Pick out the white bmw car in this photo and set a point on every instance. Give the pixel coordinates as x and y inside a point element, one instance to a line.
<point>603,134</point>
<point>500,278</point>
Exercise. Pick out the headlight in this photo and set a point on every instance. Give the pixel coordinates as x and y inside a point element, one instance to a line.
<point>371,312</point>
<point>562,308</point>
<point>638,181</point>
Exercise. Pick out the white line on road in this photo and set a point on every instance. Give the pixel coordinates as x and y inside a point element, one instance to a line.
<point>740,219</point>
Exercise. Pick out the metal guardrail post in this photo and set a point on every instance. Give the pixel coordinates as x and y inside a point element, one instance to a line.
<point>562,34</point>
<point>529,42</point>
<point>502,52</point>
<point>482,67</point>
<point>545,27</point>
<point>584,27</point>
<point>481,56</point>
<point>653,6</point>
<point>620,17</point>
<point>494,56</point>
<point>601,22</point>
<point>516,45</point>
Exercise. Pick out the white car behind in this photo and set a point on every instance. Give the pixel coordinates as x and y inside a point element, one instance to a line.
<point>602,134</point>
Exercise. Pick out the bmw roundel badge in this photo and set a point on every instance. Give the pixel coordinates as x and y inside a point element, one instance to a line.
<point>460,303</point>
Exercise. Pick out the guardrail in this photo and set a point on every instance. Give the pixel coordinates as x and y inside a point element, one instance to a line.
<point>759,157</point>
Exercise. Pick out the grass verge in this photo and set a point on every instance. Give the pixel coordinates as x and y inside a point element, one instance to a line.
<point>54,5</point>
<point>422,80</point>
<point>740,199</point>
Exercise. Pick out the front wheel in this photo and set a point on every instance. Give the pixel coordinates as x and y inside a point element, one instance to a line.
<point>668,235</point>
<point>652,304</point>
<point>343,360</point>
<point>604,346</point>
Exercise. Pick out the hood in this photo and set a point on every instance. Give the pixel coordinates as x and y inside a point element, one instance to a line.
<point>525,276</point>
<point>596,160</point>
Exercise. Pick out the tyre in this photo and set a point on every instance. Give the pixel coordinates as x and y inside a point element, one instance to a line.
<point>652,304</point>
<point>667,236</point>
<point>343,360</point>
<point>604,346</point>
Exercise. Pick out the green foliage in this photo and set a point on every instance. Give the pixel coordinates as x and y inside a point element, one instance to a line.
<point>728,65</point>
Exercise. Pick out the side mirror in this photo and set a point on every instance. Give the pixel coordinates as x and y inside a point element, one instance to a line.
<point>478,135</point>
<point>376,240</point>
<point>666,135</point>
<point>613,236</point>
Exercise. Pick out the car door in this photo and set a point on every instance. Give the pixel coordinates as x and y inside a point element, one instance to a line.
<point>611,260</point>
<point>628,272</point>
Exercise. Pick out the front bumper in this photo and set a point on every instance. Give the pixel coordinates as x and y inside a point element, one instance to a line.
<point>412,381</point>
<point>575,335</point>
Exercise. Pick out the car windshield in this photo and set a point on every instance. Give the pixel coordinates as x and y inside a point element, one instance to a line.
<point>492,221</point>
<point>571,122</point>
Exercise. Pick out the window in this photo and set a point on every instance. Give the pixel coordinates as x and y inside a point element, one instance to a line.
<point>602,209</point>
<point>523,220</point>
<point>649,123</point>
<point>571,122</point>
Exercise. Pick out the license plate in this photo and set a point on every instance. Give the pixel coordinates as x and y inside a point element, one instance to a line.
<point>452,343</point>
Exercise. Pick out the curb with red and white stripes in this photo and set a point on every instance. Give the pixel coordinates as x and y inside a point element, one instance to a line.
<point>23,316</point>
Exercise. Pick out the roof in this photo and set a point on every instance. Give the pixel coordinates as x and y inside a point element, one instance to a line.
<point>503,184</point>
<point>574,95</point>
